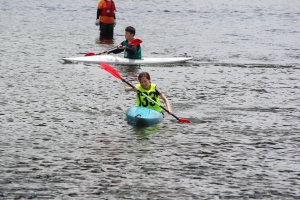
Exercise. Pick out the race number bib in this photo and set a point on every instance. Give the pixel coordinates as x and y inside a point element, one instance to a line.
<point>145,101</point>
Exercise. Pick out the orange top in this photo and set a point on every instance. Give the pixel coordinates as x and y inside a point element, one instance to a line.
<point>105,19</point>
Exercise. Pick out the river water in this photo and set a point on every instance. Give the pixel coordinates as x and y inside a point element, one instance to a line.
<point>63,132</point>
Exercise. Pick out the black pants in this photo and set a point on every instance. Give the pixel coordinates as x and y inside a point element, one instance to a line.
<point>106,31</point>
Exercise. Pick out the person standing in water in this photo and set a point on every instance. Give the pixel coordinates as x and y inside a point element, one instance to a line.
<point>106,18</point>
<point>130,51</point>
<point>145,86</point>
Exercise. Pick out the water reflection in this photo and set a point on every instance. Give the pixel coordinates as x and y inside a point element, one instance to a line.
<point>104,41</point>
<point>145,132</point>
<point>131,72</point>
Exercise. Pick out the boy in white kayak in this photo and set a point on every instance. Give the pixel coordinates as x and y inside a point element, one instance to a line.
<point>130,51</point>
<point>150,90</point>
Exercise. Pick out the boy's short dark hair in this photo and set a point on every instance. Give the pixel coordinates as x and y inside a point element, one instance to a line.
<point>130,29</point>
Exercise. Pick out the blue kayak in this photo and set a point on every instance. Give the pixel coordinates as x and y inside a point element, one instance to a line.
<point>142,116</point>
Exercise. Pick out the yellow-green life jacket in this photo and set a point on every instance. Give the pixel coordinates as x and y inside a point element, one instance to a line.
<point>144,101</point>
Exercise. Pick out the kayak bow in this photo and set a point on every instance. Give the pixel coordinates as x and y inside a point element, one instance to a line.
<point>143,116</point>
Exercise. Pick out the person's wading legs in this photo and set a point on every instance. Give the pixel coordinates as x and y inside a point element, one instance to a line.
<point>103,30</point>
<point>110,31</point>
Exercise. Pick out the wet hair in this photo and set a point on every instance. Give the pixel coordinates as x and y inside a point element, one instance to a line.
<point>144,74</point>
<point>130,29</point>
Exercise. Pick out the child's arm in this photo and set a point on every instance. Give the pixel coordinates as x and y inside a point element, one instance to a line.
<point>127,89</point>
<point>164,98</point>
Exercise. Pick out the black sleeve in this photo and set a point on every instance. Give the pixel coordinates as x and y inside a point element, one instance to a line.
<point>99,12</point>
<point>118,50</point>
<point>157,91</point>
<point>115,10</point>
<point>133,49</point>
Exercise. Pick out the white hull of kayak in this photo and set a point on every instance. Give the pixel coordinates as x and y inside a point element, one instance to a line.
<point>110,59</point>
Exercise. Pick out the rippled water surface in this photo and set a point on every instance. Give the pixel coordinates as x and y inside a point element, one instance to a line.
<point>63,132</point>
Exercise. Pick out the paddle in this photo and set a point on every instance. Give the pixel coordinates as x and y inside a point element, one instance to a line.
<point>116,74</point>
<point>133,42</point>
<point>93,54</point>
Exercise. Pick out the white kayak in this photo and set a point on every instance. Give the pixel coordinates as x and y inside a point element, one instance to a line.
<point>111,59</point>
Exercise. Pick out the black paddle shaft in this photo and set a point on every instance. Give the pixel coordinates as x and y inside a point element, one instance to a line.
<point>150,99</point>
<point>108,51</point>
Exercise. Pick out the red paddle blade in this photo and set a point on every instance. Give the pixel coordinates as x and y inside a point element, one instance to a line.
<point>90,54</point>
<point>111,70</point>
<point>135,42</point>
<point>184,120</point>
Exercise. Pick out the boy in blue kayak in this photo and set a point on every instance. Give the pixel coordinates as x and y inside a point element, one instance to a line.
<point>130,51</point>
<point>150,90</point>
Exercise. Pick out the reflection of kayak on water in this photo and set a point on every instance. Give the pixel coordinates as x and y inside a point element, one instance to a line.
<point>145,131</point>
<point>111,59</point>
<point>143,116</point>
